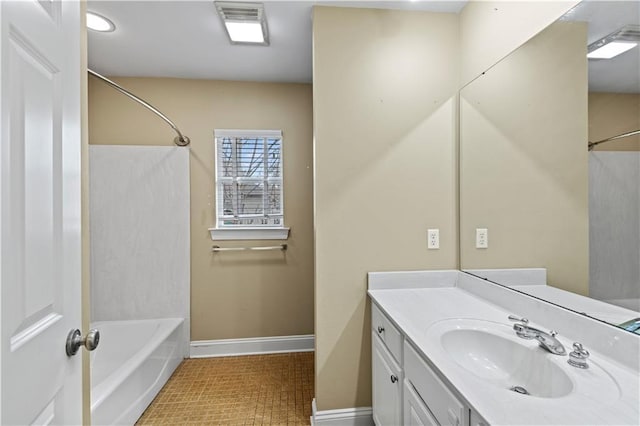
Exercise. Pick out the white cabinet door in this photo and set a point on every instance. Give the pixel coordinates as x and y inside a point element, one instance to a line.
<point>447,409</point>
<point>416,412</point>
<point>476,420</point>
<point>387,386</point>
<point>39,211</point>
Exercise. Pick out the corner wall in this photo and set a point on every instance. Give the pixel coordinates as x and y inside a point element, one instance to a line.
<point>385,171</point>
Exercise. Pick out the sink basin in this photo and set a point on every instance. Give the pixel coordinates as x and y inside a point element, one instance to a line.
<point>493,354</point>
<point>490,354</point>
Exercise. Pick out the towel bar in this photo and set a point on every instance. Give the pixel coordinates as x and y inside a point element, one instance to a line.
<point>216,249</point>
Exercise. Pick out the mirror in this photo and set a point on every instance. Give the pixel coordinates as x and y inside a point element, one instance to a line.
<point>529,188</point>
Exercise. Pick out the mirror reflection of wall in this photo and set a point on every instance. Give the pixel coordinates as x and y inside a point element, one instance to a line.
<point>526,174</point>
<point>614,166</point>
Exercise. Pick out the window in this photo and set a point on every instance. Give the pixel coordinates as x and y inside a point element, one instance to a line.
<point>249,179</point>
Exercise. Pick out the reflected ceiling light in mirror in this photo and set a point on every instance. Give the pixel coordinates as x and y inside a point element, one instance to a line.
<point>245,23</point>
<point>611,50</point>
<point>615,43</point>
<point>99,23</point>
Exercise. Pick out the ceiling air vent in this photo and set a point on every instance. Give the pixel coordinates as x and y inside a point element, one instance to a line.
<point>245,23</point>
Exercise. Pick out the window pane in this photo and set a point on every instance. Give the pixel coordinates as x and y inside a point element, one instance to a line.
<point>274,198</point>
<point>225,191</point>
<point>250,157</point>
<point>225,158</point>
<point>274,148</point>
<point>250,198</point>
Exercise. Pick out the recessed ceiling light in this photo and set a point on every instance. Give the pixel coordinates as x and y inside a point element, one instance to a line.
<point>245,23</point>
<point>611,50</point>
<point>245,32</point>
<point>99,23</point>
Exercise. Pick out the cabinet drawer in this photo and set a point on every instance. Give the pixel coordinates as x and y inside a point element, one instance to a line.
<point>444,405</point>
<point>387,332</point>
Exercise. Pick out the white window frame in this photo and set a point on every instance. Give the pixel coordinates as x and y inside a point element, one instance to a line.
<point>245,232</point>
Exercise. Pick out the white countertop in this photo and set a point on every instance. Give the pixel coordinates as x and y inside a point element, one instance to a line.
<point>414,310</point>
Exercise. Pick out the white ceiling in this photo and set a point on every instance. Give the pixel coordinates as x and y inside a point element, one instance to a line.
<point>186,39</point>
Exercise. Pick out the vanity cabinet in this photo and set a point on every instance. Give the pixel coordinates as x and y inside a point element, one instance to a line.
<point>387,379</point>
<point>406,390</point>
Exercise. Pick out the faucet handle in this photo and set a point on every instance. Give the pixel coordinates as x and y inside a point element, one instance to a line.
<point>578,358</point>
<point>518,319</point>
<point>578,349</point>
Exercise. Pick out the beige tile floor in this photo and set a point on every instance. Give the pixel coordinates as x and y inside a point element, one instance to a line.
<point>244,390</point>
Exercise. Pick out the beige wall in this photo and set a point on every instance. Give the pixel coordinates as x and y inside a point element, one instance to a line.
<point>612,114</point>
<point>233,295</point>
<point>490,30</point>
<point>524,169</point>
<point>384,84</point>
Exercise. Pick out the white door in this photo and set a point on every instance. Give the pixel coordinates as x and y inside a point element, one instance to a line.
<point>39,211</point>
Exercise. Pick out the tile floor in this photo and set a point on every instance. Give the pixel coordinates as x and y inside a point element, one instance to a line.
<point>244,390</point>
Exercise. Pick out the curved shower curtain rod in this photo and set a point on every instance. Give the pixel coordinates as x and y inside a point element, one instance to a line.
<point>623,135</point>
<point>180,140</point>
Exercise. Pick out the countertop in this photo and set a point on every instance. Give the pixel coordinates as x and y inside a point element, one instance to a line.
<point>414,310</point>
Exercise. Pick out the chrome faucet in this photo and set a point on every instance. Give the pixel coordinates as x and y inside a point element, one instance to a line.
<point>548,341</point>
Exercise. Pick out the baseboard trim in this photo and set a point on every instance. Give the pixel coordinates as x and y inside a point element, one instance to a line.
<point>252,346</point>
<point>358,416</point>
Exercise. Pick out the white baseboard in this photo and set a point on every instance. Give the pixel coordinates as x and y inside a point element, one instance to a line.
<point>359,416</point>
<point>252,346</point>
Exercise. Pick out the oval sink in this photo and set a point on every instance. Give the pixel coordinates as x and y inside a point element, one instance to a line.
<point>505,362</point>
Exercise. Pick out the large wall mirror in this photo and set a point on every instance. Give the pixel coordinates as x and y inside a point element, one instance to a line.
<point>530,189</point>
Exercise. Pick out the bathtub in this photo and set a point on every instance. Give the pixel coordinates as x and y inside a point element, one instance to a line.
<point>131,364</point>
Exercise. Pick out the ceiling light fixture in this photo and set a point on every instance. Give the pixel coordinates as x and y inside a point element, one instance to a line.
<point>615,43</point>
<point>97,22</point>
<point>245,23</point>
<point>611,50</point>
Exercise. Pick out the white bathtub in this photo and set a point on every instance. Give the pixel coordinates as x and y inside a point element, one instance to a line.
<point>131,364</point>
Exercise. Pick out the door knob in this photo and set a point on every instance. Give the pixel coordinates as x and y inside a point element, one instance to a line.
<point>75,340</point>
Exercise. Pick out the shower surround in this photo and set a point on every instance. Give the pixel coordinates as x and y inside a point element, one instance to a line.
<point>614,227</point>
<point>140,236</point>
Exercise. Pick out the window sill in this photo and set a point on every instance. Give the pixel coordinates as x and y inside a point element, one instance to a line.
<point>229,234</point>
